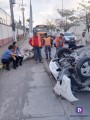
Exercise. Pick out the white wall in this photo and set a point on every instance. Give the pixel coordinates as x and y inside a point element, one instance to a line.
<point>6,34</point>
<point>20,32</point>
<point>78,29</point>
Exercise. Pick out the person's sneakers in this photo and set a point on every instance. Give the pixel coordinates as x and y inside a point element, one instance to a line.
<point>50,58</point>
<point>36,62</point>
<point>41,61</point>
<point>8,69</point>
<point>14,68</point>
<point>20,64</point>
<point>16,65</point>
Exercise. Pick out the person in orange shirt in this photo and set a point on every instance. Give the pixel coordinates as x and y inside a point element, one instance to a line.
<point>36,43</point>
<point>47,44</point>
<point>60,41</point>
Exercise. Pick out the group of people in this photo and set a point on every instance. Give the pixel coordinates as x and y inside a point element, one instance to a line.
<point>12,54</point>
<point>37,43</point>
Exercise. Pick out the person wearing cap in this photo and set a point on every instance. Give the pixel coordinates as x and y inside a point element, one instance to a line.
<point>47,44</point>
<point>60,41</point>
<point>36,43</point>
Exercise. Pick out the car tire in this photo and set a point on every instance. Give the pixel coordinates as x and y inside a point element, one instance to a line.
<point>80,65</point>
<point>61,52</point>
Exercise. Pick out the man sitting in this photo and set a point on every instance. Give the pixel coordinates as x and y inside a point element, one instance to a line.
<point>8,56</point>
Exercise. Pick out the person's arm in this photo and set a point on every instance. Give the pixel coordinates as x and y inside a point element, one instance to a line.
<point>13,55</point>
<point>43,42</point>
<point>30,42</point>
<point>19,52</point>
<point>51,41</point>
<point>56,41</point>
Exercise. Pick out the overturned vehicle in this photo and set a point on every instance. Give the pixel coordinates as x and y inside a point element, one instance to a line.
<point>71,69</point>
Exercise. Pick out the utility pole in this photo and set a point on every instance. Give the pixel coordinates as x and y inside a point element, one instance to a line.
<point>12,19</point>
<point>23,9</point>
<point>31,21</point>
<point>62,7</point>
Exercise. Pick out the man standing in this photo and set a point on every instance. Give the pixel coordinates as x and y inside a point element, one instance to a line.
<point>83,39</point>
<point>36,43</point>
<point>60,41</point>
<point>47,44</point>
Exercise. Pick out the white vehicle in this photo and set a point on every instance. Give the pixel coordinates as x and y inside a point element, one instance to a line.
<point>65,69</point>
<point>68,37</point>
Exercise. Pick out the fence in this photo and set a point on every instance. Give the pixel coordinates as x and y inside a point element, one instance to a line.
<point>6,29</point>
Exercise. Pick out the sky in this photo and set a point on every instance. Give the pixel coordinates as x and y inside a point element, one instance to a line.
<point>42,9</point>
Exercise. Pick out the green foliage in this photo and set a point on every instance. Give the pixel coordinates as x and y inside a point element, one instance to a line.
<point>50,24</point>
<point>69,19</point>
<point>84,8</point>
<point>65,12</point>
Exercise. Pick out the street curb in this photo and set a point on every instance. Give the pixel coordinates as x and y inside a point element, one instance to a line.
<point>1,66</point>
<point>48,72</point>
<point>62,101</point>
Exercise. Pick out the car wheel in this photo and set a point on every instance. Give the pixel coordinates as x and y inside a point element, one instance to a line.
<point>83,68</point>
<point>63,51</point>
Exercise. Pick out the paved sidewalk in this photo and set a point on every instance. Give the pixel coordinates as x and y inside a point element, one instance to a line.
<point>27,94</point>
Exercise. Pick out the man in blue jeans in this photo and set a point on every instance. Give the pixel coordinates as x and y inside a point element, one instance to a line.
<point>36,43</point>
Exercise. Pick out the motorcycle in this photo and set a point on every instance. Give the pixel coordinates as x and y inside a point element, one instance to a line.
<point>28,53</point>
<point>72,73</point>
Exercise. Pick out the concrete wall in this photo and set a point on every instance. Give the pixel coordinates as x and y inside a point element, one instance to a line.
<point>6,34</point>
<point>78,29</point>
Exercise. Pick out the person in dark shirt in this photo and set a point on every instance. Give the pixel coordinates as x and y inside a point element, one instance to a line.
<point>8,56</point>
<point>19,57</point>
<point>72,45</point>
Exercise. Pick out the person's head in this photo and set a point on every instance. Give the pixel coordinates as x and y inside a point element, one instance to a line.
<point>45,34</point>
<point>15,44</point>
<point>10,47</point>
<point>35,32</point>
<point>49,35</point>
<point>61,35</point>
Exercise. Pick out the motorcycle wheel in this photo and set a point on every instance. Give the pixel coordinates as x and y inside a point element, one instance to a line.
<point>83,68</point>
<point>63,51</point>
